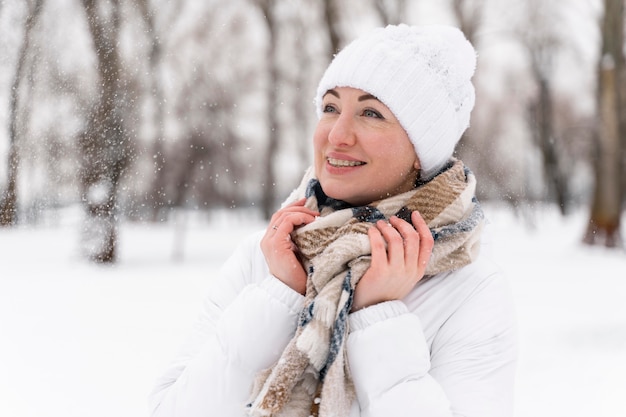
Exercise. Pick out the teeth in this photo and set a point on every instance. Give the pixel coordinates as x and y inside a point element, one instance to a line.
<point>342,163</point>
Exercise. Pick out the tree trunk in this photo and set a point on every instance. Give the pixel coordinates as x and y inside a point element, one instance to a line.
<point>543,128</point>
<point>157,190</point>
<point>391,13</point>
<point>8,202</point>
<point>104,146</point>
<point>606,206</point>
<point>469,18</point>
<point>268,200</point>
<point>332,23</point>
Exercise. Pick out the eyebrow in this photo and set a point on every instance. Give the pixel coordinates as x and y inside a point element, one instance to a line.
<point>332,92</point>
<point>364,97</point>
<point>368,97</point>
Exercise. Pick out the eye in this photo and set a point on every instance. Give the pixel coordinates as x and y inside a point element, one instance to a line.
<point>372,113</point>
<point>329,108</point>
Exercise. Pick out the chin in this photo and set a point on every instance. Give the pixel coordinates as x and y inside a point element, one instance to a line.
<point>337,195</point>
<point>336,192</point>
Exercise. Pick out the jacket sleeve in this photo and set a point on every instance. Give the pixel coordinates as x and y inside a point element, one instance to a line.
<point>245,322</point>
<point>468,369</point>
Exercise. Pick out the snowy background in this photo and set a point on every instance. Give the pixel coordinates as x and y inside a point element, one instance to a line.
<point>81,340</point>
<point>85,340</point>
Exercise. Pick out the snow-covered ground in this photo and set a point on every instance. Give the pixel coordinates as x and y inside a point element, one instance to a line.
<point>81,340</point>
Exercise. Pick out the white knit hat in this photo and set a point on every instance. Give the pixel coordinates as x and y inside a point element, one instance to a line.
<point>422,74</point>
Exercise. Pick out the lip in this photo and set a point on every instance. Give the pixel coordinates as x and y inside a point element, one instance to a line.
<point>342,157</point>
<point>338,157</point>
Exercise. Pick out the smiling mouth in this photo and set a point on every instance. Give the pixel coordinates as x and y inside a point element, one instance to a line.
<point>342,163</point>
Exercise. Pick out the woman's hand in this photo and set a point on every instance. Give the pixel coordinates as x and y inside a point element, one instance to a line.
<point>396,268</point>
<point>279,250</point>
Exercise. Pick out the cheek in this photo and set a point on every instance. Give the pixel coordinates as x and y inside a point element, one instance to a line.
<point>318,148</point>
<point>398,149</point>
<point>317,138</point>
<point>320,136</point>
<point>399,160</point>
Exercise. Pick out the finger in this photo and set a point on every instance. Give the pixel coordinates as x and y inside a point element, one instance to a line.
<point>426,238</point>
<point>294,208</point>
<point>299,202</point>
<point>395,243</point>
<point>377,244</point>
<point>288,222</point>
<point>299,205</point>
<point>280,215</point>
<point>411,239</point>
<point>276,216</point>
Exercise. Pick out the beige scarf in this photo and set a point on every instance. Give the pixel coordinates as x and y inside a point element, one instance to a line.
<point>313,372</point>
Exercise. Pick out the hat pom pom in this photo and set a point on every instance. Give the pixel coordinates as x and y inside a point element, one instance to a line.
<point>460,55</point>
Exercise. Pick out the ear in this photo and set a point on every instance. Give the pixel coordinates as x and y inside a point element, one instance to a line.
<point>418,168</point>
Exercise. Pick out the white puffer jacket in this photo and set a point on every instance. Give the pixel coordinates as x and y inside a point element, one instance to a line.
<point>447,349</point>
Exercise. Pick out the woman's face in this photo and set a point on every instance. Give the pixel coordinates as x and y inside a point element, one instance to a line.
<point>362,153</point>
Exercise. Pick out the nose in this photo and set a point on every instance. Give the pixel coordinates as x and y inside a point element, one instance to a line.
<point>342,132</point>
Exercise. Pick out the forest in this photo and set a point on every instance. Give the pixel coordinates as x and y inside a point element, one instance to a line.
<point>136,110</point>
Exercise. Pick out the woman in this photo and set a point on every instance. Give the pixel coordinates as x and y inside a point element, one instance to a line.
<point>367,295</point>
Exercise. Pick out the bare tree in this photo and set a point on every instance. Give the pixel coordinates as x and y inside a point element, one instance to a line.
<point>204,163</point>
<point>202,167</point>
<point>331,15</point>
<point>606,206</point>
<point>542,45</point>
<point>104,146</point>
<point>8,200</point>
<point>469,15</point>
<point>541,120</point>
<point>268,198</point>
<point>302,108</point>
<point>391,12</point>
<point>154,60</point>
<point>157,97</point>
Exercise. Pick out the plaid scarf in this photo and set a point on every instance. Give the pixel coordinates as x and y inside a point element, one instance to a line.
<point>313,373</point>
